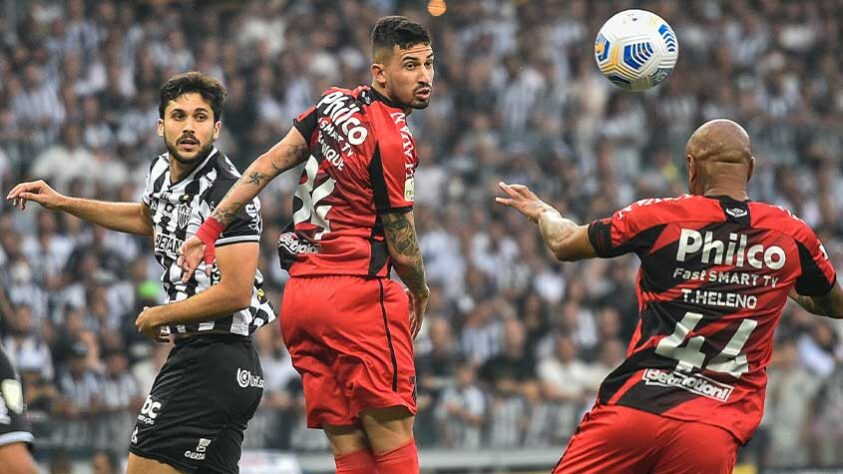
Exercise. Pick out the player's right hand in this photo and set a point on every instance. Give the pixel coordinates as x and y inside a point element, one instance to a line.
<point>418,306</point>
<point>191,253</point>
<point>37,191</point>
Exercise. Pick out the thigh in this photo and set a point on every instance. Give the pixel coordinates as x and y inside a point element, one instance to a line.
<point>696,448</point>
<point>609,440</point>
<point>141,465</point>
<point>302,326</point>
<point>374,348</point>
<point>387,428</point>
<point>200,403</point>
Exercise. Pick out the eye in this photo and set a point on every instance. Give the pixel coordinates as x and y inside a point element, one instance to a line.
<point>201,117</point>
<point>428,64</point>
<point>410,66</point>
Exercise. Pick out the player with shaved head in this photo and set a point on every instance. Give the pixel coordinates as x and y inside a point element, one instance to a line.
<point>716,272</point>
<point>348,326</point>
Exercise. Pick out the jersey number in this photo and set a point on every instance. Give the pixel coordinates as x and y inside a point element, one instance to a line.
<point>310,197</point>
<point>729,360</point>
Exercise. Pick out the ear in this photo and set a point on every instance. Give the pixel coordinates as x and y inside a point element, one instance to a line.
<point>160,127</point>
<point>751,168</point>
<point>378,74</point>
<point>692,173</point>
<point>217,128</point>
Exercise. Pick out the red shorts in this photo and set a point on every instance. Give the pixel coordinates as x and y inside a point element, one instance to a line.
<point>618,439</point>
<point>349,338</point>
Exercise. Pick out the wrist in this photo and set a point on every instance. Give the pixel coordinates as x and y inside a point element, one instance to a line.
<point>543,211</point>
<point>63,203</point>
<point>158,316</point>
<point>209,231</point>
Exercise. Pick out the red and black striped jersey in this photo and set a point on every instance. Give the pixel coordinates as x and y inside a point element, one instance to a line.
<point>362,164</point>
<point>715,274</point>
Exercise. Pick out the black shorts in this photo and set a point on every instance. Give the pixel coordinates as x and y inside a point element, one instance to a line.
<point>200,403</point>
<point>14,427</point>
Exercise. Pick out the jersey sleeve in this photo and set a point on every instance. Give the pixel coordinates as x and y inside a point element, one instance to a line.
<point>247,224</point>
<point>305,123</point>
<point>818,276</point>
<point>392,173</point>
<point>624,232</point>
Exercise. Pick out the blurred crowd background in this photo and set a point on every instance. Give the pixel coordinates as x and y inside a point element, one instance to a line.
<point>514,345</point>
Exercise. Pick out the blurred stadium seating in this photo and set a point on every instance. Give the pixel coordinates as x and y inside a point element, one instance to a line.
<point>516,97</point>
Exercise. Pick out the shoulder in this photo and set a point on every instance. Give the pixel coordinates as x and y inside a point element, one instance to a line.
<point>158,164</point>
<point>657,211</point>
<point>781,219</point>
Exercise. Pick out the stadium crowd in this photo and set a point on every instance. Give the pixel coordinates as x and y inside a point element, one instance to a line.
<point>514,345</point>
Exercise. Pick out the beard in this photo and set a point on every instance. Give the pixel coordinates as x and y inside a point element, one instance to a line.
<point>203,153</point>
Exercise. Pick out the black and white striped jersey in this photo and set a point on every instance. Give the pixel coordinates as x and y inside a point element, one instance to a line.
<point>178,209</point>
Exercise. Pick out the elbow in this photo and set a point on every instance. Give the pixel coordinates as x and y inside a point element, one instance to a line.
<point>402,261</point>
<point>561,251</point>
<point>243,299</point>
<point>237,299</point>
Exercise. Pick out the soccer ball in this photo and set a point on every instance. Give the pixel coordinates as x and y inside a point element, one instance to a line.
<point>636,49</point>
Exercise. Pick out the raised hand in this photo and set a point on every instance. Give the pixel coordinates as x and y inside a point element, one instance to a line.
<point>523,200</point>
<point>38,191</point>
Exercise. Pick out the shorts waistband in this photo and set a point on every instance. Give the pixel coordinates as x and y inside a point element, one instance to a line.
<point>181,339</point>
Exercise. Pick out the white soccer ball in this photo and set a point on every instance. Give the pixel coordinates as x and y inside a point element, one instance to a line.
<point>636,49</point>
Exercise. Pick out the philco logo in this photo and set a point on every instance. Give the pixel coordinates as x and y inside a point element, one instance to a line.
<point>341,109</point>
<point>245,379</point>
<point>734,252</point>
<point>149,411</point>
<point>199,453</point>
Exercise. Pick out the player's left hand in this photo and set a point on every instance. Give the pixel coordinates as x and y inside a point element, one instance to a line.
<point>523,200</point>
<point>191,253</point>
<point>148,324</point>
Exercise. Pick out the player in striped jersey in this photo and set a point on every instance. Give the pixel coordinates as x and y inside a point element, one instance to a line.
<point>716,272</point>
<point>211,384</point>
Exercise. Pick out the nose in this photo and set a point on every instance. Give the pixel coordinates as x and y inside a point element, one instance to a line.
<point>189,125</point>
<point>426,75</point>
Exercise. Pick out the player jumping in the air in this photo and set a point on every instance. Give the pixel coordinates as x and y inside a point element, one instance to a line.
<point>194,417</point>
<point>349,328</point>
<point>716,271</point>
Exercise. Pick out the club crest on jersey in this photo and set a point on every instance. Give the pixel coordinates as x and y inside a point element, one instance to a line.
<point>183,215</point>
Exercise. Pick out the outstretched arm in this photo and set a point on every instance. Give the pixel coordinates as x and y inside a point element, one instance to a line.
<point>129,217</point>
<point>403,246</point>
<point>565,238</point>
<point>291,151</point>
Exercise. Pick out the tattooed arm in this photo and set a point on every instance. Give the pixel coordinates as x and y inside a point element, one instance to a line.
<point>291,151</point>
<point>830,305</point>
<point>400,231</point>
<point>288,153</point>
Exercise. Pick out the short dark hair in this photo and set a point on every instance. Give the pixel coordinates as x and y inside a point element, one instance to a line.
<point>208,87</point>
<point>397,30</point>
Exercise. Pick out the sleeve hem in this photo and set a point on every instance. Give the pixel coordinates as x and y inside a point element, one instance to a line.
<point>236,240</point>
<point>393,210</point>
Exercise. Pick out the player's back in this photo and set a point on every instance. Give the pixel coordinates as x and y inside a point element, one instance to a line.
<point>362,164</point>
<point>715,275</point>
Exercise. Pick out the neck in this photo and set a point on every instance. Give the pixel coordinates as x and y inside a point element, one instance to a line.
<point>382,91</point>
<point>736,194</point>
<point>179,170</point>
